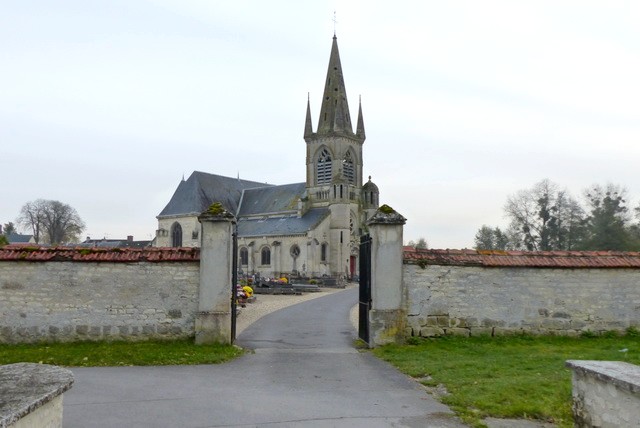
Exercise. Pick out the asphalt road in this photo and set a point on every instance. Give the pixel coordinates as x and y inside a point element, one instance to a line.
<point>304,371</point>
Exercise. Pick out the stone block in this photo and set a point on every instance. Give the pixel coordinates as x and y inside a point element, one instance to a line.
<point>174,313</point>
<point>455,331</point>
<point>442,321</point>
<point>555,324</point>
<point>504,331</point>
<point>82,329</point>
<point>149,330</point>
<point>561,315</point>
<point>480,331</point>
<point>95,331</point>
<point>488,322</point>
<point>431,332</point>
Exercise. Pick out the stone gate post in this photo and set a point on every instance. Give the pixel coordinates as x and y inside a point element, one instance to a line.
<point>213,320</point>
<point>387,316</point>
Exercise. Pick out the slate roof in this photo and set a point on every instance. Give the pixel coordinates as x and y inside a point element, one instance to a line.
<point>273,199</point>
<point>114,243</point>
<point>282,225</point>
<point>532,259</point>
<point>18,238</point>
<point>66,254</point>
<point>201,189</point>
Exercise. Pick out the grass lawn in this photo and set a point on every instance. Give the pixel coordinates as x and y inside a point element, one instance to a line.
<point>94,354</point>
<point>508,377</point>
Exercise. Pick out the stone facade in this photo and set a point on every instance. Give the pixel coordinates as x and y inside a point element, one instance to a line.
<point>69,301</point>
<point>468,300</point>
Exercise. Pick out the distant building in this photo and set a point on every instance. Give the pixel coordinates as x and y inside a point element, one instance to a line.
<point>311,227</point>
<point>17,238</point>
<point>113,243</point>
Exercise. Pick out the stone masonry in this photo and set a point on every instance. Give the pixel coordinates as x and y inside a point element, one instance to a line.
<point>471,300</point>
<point>76,300</point>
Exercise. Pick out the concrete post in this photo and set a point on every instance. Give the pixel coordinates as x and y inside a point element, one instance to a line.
<point>213,321</point>
<point>388,314</point>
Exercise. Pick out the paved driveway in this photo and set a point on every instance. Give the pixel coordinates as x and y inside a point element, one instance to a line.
<point>304,371</point>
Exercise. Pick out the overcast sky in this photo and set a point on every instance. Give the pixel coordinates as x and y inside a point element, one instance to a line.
<point>105,105</point>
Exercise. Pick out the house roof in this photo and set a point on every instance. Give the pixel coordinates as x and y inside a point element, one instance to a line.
<point>77,254</point>
<point>114,243</point>
<point>533,259</point>
<point>18,238</point>
<point>201,189</point>
<point>273,199</point>
<point>282,225</point>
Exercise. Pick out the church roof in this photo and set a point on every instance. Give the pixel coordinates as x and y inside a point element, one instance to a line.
<point>282,225</point>
<point>201,189</point>
<point>272,199</point>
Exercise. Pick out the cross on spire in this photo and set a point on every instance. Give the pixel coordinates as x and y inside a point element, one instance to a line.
<point>335,21</point>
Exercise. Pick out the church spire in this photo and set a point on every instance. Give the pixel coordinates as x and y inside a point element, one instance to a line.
<point>334,113</point>
<point>308,126</point>
<point>360,126</point>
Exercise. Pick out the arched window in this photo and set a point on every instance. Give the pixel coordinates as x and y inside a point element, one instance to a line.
<point>324,250</point>
<point>265,256</point>
<point>176,235</point>
<point>323,167</point>
<point>244,257</point>
<point>348,168</point>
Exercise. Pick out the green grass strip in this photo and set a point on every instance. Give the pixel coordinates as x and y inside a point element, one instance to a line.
<point>97,354</point>
<point>506,377</point>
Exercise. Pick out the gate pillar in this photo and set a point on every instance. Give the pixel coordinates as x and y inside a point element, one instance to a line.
<point>213,320</point>
<point>387,317</point>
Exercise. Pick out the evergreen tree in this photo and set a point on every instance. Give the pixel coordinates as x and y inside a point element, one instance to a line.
<point>608,225</point>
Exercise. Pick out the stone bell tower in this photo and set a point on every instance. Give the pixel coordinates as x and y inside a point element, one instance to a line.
<point>334,166</point>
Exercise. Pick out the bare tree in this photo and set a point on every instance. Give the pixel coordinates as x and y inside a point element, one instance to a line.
<point>545,218</point>
<point>421,244</point>
<point>52,222</point>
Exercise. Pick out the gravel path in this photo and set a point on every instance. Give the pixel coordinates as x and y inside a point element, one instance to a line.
<point>267,303</point>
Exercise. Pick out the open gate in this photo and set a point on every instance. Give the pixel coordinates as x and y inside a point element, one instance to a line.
<point>234,282</point>
<point>365,288</point>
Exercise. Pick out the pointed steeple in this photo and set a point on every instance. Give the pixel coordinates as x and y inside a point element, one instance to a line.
<point>360,127</point>
<point>308,126</point>
<point>334,114</point>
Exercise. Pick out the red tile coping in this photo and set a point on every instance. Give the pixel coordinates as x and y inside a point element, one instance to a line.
<point>537,259</point>
<point>34,253</point>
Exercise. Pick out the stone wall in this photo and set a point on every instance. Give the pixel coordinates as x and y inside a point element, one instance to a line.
<point>445,297</point>
<point>90,295</point>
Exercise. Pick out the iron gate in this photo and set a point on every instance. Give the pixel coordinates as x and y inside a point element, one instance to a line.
<point>365,287</point>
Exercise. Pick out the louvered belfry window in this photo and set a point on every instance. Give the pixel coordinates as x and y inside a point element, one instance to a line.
<point>349,169</point>
<point>323,167</point>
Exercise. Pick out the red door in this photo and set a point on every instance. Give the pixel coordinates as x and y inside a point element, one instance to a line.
<point>352,266</point>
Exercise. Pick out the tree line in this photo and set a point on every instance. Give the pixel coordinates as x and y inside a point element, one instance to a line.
<point>50,222</point>
<point>546,218</point>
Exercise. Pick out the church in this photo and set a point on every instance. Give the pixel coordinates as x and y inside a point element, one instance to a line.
<point>311,228</point>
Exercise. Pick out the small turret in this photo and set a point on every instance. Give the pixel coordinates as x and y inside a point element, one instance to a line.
<point>308,126</point>
<point>360,127</point>
<point>370,195</point>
